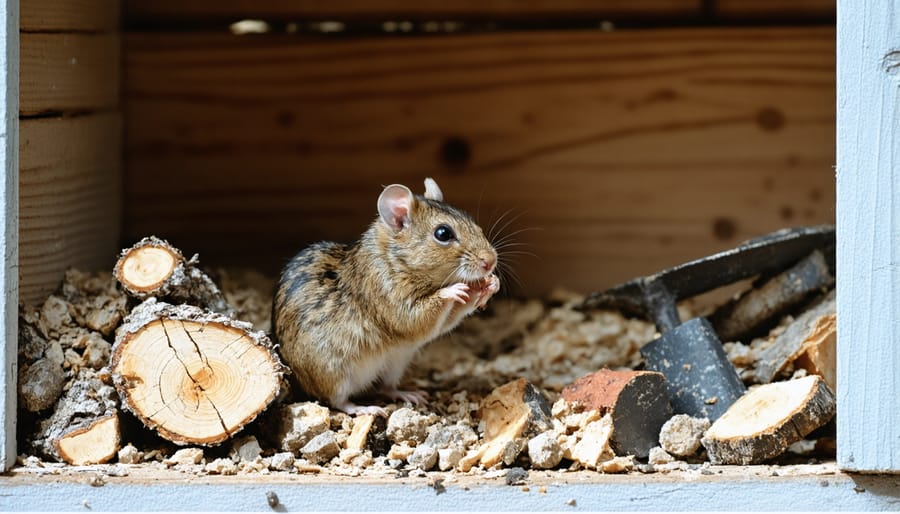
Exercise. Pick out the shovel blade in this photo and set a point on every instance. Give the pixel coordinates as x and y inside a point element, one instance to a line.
<point>701,382</point>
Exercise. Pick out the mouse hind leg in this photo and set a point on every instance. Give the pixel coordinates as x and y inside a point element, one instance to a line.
<point>393,371</point>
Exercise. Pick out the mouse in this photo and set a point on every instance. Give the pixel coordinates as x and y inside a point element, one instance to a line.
<point>349,318</point>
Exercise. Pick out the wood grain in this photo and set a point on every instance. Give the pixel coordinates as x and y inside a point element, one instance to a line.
<point>232,10</point>
<point>617,154</point>
<point>868,227</point>
<point>768,10</point>
<point>69,15</point>
<point>69,72</point>
<point>69,198</point>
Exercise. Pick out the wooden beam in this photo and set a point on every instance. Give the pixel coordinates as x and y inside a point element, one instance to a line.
<point>622,152</point>
<point>69,73</point>
<point>69,15</point>
<point>206,11</point>
<point>9,233</point>
<point>69,199</point>
<point>774,10</point>
<point>868,249</point>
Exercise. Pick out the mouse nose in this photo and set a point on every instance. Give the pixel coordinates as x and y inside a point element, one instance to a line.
<point>487,263</point>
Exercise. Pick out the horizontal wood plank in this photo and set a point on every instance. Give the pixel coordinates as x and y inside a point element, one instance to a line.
<point>620,153</point>
<point>769,10</point>
<point>232,10</point>
<point>68,72</point>
<point>69,198</point>
<point>69,15</point>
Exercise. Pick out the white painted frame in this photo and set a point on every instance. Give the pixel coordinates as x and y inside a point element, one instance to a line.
<point>868,235</point>
<point>9,225</point>
<point>868,260</point>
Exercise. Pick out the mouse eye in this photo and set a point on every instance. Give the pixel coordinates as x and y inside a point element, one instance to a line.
<point>444,234</point>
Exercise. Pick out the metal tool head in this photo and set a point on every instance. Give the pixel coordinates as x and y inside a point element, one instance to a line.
<point>653,297</point>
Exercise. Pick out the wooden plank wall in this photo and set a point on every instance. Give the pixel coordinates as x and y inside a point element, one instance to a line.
<point>618,153</point>
<point>70,140</point>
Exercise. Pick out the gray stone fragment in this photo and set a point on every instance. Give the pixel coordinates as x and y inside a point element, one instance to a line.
<point>41,385</point>
<point>544,451</point>
<point>321,448</point>
<point>681,434</point>
<point>424,458</point>
<point>407,425</point>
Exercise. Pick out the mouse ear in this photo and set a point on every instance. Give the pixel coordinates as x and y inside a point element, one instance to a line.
<point>432,191</point>
<point>394,205</point>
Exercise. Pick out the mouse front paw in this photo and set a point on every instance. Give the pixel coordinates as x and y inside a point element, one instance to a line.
<point>489,289</point>
<point>458,292</point>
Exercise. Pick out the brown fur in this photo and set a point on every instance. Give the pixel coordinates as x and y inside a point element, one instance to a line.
<point>341,309</point>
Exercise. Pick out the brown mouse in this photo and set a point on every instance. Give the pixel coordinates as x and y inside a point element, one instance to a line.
<point>350,317</point>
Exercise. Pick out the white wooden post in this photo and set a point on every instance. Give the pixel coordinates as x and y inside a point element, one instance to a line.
<point>868,235</point>
<point>9,226</point>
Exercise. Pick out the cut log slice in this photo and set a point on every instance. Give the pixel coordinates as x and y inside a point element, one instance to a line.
<point>154,268</point>
<point>768,419</point>
<point>144,268</point>
<point>194,376</point>
<point>95,443</point>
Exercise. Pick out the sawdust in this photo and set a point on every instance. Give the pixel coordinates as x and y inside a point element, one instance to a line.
<point>548,341</point>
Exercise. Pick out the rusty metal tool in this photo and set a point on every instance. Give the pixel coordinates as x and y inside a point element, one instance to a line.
<point>701,381</point>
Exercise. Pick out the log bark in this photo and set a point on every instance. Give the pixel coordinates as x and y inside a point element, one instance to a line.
<point>155,268</point>
<point>768,419</point>
<point>194,376</point>
<point>796,338</point>
<point>81,430</point>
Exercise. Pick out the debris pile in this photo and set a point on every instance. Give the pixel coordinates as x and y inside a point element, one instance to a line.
<point>528,384</point>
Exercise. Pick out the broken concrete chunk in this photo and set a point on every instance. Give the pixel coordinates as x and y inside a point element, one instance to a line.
<point>185,457</point>
<point>544,451</point>
<point>407,425</point>
<point>593,447</point>
<point>659,456</point>
<point>451,436</point>
<point>637,401</point>
<point>448,458</point>
<point>128,454</point>
<point>512,413</point>
<point>681,434</point>
<point>300,423</point>
<point>221,466</point>
<point>359,434</point>
<point>424,457</point>
<point>618,465</point>
<point>400,451</point>
<point>282,461</point>
<point>40,385</point>
<point>246,449</point>
<point>321,448</point>
<point>96,352</point>
<point>54,316</point>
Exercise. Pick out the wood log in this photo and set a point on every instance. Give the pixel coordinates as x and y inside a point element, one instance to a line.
<point>791,344</point>
<point>83,428</point>
<point>768,419</point>
<point>194,376</point>
<point>759,309</point>
<point>95,443</point>
<point>155,268</point>
<point>819,351</point>
<point>637,401</point>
